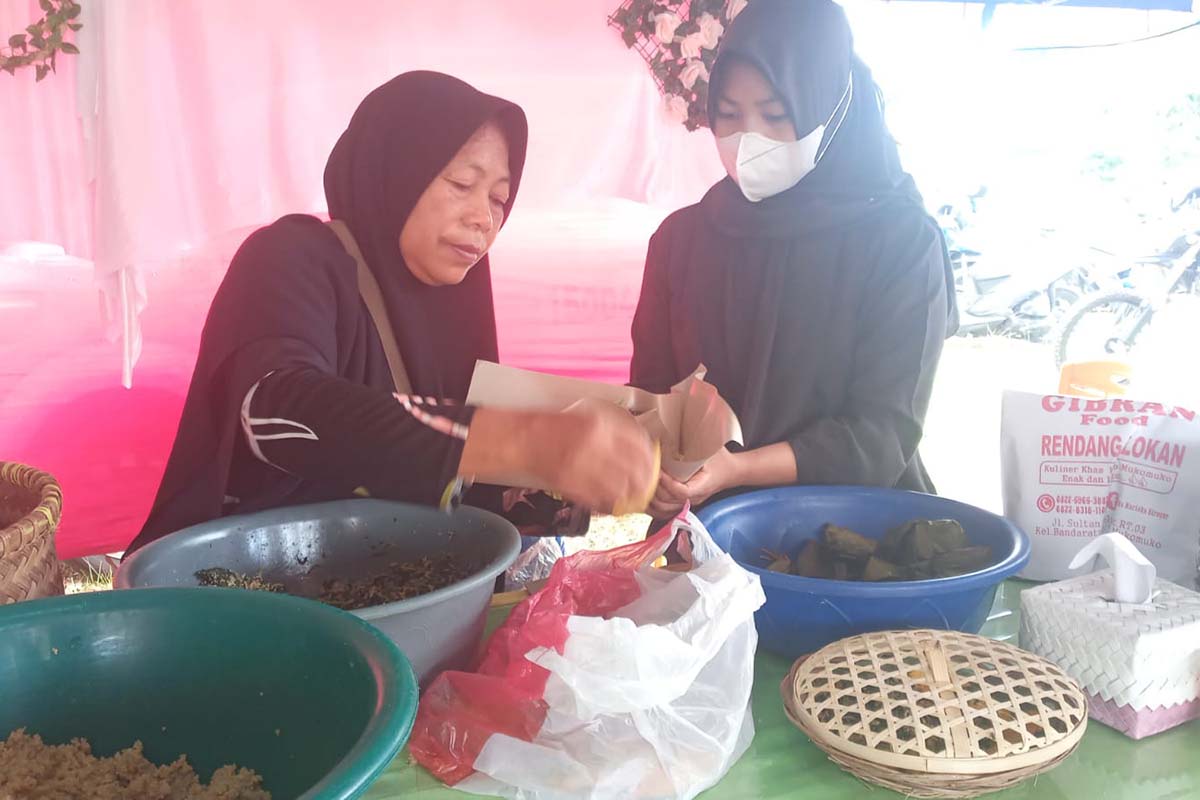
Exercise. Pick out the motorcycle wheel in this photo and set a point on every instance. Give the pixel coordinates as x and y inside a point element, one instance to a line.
<point>1103,327</point>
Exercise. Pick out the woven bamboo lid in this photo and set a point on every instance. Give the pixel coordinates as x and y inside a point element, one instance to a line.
<point>936,713</point>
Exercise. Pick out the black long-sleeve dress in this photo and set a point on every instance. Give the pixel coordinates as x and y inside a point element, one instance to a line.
<point>820,311</point>
<point>292,400</point>
<point>821,330</point>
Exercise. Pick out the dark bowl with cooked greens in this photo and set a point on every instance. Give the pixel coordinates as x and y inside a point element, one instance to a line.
<point>331,551</point>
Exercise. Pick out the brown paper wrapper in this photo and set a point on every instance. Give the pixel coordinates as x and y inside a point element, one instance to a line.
<point>692,421</point>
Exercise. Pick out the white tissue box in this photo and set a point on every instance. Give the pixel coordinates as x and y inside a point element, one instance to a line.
<point>1138,663</point>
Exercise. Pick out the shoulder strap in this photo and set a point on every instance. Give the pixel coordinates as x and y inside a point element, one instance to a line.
<point>368,288</point>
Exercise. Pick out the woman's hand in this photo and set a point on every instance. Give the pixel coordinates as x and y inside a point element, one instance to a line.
<point>669,498</point>
<point>601,458</point>
<point>594,454</point>
<point>723,471</point>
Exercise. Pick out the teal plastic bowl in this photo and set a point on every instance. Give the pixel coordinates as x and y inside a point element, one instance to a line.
<point>311,698</point>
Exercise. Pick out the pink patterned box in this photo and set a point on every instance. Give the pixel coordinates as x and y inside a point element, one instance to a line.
<point>1138,724</point>
<point>1138,663</point>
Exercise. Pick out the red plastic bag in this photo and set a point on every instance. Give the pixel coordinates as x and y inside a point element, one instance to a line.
<point>460,710</point>
<point>692,629</point>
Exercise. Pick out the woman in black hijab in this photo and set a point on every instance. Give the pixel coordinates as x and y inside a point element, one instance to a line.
<point>811,281</point>
<point>299,394</point>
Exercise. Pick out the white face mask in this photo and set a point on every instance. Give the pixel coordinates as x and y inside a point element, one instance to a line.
<point>763,167</point>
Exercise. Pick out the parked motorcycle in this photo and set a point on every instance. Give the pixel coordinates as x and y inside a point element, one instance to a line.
<point>1026,302</point>
<point>1108,324</point>
<point>1023,291</point>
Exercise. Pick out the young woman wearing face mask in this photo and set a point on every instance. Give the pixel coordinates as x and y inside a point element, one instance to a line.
<point>811,282</point>
<point>335,357</point>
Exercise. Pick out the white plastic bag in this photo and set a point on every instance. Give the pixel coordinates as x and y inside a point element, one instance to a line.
<point>534,564</point>
<point>649,700</point>
<point>1075,468</point>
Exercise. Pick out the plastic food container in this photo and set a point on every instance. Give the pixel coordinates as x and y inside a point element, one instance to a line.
<point>802,615</point>
<point>312,699</point>
<point>302,546</point>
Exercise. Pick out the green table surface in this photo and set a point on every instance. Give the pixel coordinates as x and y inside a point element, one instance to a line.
<point>783,763</point>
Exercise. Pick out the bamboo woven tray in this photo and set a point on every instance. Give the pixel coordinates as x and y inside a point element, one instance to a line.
<point>936,713</point>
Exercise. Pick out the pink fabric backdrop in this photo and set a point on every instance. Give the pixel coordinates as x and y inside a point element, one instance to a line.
<point>190,119</point>
<point>185,124</point>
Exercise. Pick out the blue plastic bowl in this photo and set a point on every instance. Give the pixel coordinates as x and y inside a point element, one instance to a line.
<point>802,615</point>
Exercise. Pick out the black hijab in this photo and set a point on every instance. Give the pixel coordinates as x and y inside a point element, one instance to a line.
<point>820,312</point>
<point>805,50</point>
<point>290,297</point>
<point>402,135</point>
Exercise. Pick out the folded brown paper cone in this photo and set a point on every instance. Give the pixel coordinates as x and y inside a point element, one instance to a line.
<point>692,421</point>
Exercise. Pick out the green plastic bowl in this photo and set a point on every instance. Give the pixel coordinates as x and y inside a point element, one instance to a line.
<point>313,699</point>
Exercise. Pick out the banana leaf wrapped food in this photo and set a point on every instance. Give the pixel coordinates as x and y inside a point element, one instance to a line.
<point>917,550</point>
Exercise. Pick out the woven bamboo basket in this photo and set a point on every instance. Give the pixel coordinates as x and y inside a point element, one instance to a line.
<point>936,713</point>
<point>30,508</point>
